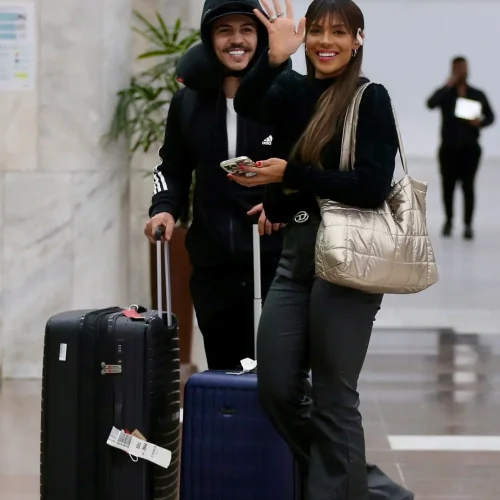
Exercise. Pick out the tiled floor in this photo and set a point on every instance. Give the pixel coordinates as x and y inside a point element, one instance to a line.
<point>433,411</point>
<point>430,414</point>
<point>430,396</point>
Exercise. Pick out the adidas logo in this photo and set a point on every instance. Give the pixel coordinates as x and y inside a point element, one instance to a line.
<point>268,141</point>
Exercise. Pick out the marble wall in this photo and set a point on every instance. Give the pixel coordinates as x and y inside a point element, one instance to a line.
<point>71,210</point>
<point>64,198</point>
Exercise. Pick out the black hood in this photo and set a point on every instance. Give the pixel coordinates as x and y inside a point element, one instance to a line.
<point>199,68</point>
<point>214,9</point>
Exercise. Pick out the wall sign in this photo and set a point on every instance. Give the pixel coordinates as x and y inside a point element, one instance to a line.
<point>17,46</point>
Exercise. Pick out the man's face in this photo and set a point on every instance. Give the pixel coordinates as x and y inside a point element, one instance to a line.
<point>460,71</point>
<point>235,40</point>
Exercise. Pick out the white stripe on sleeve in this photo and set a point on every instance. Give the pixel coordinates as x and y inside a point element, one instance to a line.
<point>156,186</point>
<point>163,182</point>
<point>160,183</point>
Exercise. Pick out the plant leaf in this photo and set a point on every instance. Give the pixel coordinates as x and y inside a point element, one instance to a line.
<point>177,30</point>
<point>155,32</point>
<point>163,26</point>
<point>141,107</point>
<point>152,53</point>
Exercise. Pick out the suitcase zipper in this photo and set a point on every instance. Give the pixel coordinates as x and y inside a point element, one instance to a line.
<point>88,352</point>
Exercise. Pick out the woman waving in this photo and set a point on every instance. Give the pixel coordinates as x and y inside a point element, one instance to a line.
<point>308,323</point>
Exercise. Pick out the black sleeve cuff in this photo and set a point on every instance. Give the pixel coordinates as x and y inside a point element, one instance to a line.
<point>161,207</point>
<point>295,175</point>
<point>266,71</point>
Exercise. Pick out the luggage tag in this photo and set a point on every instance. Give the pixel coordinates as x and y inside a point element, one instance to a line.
<point>133,313</point>
<point>138,448</point>
<point>247,364</point>
<point>136,434</point>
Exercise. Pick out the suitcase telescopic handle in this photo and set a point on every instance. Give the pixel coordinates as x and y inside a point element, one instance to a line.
<point>160,231</point>
<point>257,296</point>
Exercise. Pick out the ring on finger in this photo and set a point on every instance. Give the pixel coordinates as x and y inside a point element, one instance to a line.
<point>282,14</point>
<point>273,19</point>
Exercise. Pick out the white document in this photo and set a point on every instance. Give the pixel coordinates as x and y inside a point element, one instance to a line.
<point>17,46</point>
<point>468,109</point>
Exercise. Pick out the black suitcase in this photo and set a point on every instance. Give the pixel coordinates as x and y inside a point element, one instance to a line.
<point>102,369</point>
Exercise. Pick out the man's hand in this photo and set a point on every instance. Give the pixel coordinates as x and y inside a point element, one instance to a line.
<point>452,81</point>
<point>162,219</point>
<point>264,225</point>
<point>476,123</point>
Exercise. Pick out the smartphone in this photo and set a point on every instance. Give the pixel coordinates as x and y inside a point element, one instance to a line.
<point>232,166</point>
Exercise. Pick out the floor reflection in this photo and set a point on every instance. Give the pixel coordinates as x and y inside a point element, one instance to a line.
<point>424,392</point>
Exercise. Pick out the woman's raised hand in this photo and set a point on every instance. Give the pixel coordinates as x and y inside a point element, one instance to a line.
<point>284,37</point>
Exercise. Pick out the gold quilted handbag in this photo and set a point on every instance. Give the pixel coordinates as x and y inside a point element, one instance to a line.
<point>384,250</point>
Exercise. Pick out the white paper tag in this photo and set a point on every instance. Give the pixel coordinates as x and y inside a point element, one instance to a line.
<point>139,448</point>
<point>149,451</point>
<point>118,439</point>
<point>63,350</point>
<point>248,364</point>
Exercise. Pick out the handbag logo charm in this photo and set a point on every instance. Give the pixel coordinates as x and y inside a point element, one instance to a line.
<point>301,217</point>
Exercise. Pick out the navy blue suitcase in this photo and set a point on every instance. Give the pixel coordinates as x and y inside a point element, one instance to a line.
<point>230,450</point>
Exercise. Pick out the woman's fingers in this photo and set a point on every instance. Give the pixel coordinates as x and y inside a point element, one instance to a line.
<point>267,163</point>
<point>247,168</point>
<point>301,29</point>
<point>267,8</point>
<point>277,6</point>
<point>263,19</point>
<point>248,181</point>
<point>242,180</point>
<point>278,10</point>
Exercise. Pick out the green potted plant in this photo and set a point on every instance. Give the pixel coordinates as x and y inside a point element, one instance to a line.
<point>142,106</point>
<point>139,118</point>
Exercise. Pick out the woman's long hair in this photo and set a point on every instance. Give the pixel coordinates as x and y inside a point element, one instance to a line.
<point>333,103</point>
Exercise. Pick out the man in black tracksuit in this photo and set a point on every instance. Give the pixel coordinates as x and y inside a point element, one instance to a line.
<point>460,151</point>
<point>202,130</point>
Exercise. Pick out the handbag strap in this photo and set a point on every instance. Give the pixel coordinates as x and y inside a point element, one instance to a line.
<point>349,132</point>
<point>348,148</point>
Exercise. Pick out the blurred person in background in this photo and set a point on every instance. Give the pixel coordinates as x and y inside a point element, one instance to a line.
<point>460,151</point>
<point>202,130</point>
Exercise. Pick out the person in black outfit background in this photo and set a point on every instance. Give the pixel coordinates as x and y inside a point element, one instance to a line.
<point>202,130</point>
<point>308,323</point>
<point>460,152</point>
